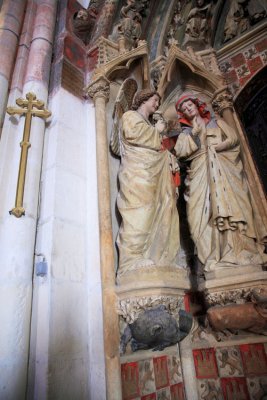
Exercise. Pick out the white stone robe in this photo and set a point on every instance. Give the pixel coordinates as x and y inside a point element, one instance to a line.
<point>146,199</point>
<point>219,211</point>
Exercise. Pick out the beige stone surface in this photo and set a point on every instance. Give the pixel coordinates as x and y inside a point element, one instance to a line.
<point>149,232</point>
<point>219,209</point>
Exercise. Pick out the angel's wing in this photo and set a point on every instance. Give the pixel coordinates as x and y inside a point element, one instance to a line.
<point>122,104</point>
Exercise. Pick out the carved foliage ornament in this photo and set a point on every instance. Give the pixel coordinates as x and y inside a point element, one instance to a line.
<point>99,88</point>
<point>131,308</point>
<point>231,296</point>
<point>221,101</point>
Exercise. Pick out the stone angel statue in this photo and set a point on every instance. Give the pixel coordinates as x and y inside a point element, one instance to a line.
<point>149,232</point>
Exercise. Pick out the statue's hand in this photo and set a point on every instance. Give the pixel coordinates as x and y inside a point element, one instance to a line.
<point>160,125</point>
<point>196,127</point>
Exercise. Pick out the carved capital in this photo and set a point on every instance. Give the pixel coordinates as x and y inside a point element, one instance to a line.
<point>130,308</point>
<point>100,87</point>
<point>222,100</point>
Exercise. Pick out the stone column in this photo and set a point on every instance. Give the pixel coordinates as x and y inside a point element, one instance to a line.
<point>99,91</point>
<point>188,368</point>
<point>11,18</point>
<point>17,235</point>
<point>23,51</point>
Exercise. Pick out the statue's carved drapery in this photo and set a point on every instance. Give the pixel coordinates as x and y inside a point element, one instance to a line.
<point>242,15</point>
<point>129,29</point>
<point>198,26</point>
<point>149,232</point>
<point>219,211</point>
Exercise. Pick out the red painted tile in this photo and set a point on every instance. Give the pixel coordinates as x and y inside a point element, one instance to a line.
<point>231,76</point>
<point>205,363</point>
<point>262,45</point>
<point>92,59</point>
<point>255,64</point>
<point>177,392</point>
<point>74,53</point>
<point>151,396</point>
<point>130,381</point>
<point>234,389</point>
<point>238,60</point>
<point>254,359</point>
<point>146,377</point>
<point>161,372</point>
<point>243,81</point>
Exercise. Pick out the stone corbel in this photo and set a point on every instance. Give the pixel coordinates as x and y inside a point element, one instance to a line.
<point>130,308</point>
<point>153,322</point>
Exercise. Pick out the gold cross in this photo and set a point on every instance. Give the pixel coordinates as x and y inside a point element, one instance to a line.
<point>31,108</point>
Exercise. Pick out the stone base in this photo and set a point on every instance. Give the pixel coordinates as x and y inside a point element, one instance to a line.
<point>229,271</point>
<point>149,287</point>
<point>233,288</point>
<point>147,278</point>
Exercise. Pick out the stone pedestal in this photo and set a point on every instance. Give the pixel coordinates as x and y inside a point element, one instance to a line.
<point>232,284</point>
<point>143,289</point>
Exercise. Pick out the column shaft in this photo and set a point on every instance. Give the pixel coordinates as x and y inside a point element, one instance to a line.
<point>18,235</point>
<point>188,368</point>
<point>12,14</point>
<point>111,325</point>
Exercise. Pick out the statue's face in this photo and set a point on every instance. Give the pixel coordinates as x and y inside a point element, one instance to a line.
<point>152,104</point>
<point>200,3</point>
<point>82,14</point>
<point>189,109</point>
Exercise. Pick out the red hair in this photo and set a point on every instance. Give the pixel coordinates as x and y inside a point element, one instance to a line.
<point>201,105</point>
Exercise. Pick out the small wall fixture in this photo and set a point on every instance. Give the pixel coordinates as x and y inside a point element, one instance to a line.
<point>41,268</point>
